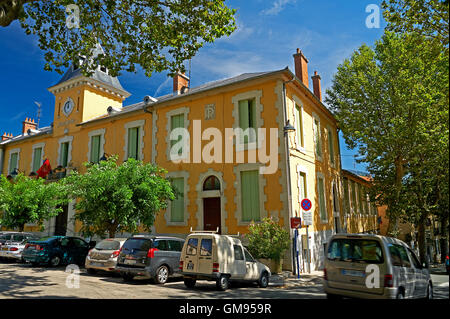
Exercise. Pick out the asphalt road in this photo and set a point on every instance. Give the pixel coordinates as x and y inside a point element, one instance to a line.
<point>25,281</point>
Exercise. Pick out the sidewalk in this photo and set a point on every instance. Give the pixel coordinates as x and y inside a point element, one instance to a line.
<point>287,279</point>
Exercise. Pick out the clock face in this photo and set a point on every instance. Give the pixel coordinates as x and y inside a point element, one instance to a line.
<point>68,106</point>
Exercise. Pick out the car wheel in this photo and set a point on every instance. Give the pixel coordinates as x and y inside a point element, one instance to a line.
<point>33,264</point>
<point>55,261</point>
<point>190,283</point>
<point>162,274</point>
<point>263,281</point>
<point>91,271</point>
<point>429,291</point>
<point>127,277</point>
<point>223,283</point>
<point>400,295</point>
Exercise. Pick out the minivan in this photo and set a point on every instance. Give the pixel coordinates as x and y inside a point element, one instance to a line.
<point>154,257</point>
<point>209,256</point>
<point>373,266</point>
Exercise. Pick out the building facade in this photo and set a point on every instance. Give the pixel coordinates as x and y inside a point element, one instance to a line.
<point>228,176</point>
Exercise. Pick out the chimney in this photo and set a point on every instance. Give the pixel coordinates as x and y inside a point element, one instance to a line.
<point>28,124</point>
<point>316,85</point>
<point>6,136</point>
<point>180,83</point>
<point>301,67</point>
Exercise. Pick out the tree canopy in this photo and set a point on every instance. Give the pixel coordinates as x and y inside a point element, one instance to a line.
<point>392,103</point>
<point>115,198</point>
<point>28,200</point>
<point>156,35</point>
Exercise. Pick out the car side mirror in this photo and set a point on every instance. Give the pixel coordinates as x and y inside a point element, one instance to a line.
<point>92,244</point>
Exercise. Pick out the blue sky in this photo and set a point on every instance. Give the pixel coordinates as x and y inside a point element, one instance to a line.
<point>269,31</point>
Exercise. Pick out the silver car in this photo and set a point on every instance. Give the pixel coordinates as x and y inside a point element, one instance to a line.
<point>104,255</point>
<point>13,243</point>
<point>372,266</point>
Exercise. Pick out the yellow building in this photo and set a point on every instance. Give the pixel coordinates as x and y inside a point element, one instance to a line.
<point>228,178</point>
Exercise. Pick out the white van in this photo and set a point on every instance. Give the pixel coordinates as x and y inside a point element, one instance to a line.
<point>210,256</point>
<point>373,266</point>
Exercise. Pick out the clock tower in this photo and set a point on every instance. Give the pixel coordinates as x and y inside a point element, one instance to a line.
<point>79,98</point>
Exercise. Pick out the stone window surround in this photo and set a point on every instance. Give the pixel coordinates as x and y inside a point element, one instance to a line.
<point>334,185</point>
<point>133,124</point>
<point>316,117</point>
<point>238,199</point>
<point>35,146</point>
<point>62,140</point>
<point>100,132</point>
<point>298,102</point>
<point>201,194</point>
<point>181,110</point>
<point>319,175</point>
<point>167,214</point>
<point>255,94</point>
<point>11,152</point>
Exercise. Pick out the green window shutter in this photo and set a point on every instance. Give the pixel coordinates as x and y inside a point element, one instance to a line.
<point>250,196</point>
<point>346,197</point>
<point>353,197</point>
<point>133,142</point>
<point>322,207</point>
<point>299,120</point>
<point>177,121</point>
<point>64,154</point>
<point>360,199</point>
<point>95,149</point>
<point>13,162</point>
<point>177,205</point>
<point>330,146</point>
<point>37,159</point>
<point>244,118</point>
<point>318,141</point>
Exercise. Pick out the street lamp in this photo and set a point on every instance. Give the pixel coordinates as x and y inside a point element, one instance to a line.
<point>288,128</point>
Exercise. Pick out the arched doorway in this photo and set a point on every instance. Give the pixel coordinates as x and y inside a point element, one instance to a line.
<point>211,204</point>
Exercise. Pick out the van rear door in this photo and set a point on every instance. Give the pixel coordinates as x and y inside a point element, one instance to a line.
<point>190,262</point>
<point>347,265</point>
<point>205,259</point>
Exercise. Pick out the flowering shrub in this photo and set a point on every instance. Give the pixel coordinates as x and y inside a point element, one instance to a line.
<point>267,239</point>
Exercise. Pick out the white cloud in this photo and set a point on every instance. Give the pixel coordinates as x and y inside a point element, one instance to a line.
<point>277,7</point>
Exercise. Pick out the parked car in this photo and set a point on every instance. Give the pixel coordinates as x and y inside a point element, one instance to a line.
<point>221,258</point>
<point>14,237</point>
<point>154,257</point>
<point>104,255</point>
<point>57,250</point>
<point>372,266</point>
<point>13,250</point>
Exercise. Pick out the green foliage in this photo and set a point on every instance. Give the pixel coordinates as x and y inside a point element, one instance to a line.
<point>267,239</point>
<point>116,198</point>
<point>391,102</point>
<point>425,17</point>
<point>156,35</point>
<point>26,200</point>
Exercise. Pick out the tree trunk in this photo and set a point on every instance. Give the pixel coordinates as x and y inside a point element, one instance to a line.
<point>112,231</point>
<point>21,228</point>
<point>399,173</point>
<point>444,238</point>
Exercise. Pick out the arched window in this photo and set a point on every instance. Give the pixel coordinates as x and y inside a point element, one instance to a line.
<point>212,183</point>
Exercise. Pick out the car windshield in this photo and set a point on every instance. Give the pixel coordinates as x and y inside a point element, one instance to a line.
<point>356,250</point>
<point>108,244</point>
<point>137,244</point>
<point>44,239</point>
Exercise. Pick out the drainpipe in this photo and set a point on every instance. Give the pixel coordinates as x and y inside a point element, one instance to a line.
<point>288,167</point>
<point>341,178</point>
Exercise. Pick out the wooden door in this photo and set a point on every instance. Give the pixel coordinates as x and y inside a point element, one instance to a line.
<point>211,213</point>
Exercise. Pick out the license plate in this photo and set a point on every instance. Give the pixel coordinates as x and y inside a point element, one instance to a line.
<point>96,264</point>
<point>190,266</point>
<point>354,273</point>
<point>130,262</point>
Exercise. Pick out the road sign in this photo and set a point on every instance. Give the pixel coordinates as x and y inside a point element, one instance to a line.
<point>296,222</point>
<point>307,218</point>
<point>306,204</point>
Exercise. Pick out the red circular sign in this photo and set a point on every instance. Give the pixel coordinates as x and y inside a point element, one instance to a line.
<point>306,204</point>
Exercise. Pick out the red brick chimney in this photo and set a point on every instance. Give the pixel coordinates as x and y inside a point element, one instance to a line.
<point>180,83</point>
<point>301,67</point>
<point>6,136</point>
<point>316,85</point>
<point>28,124</point>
